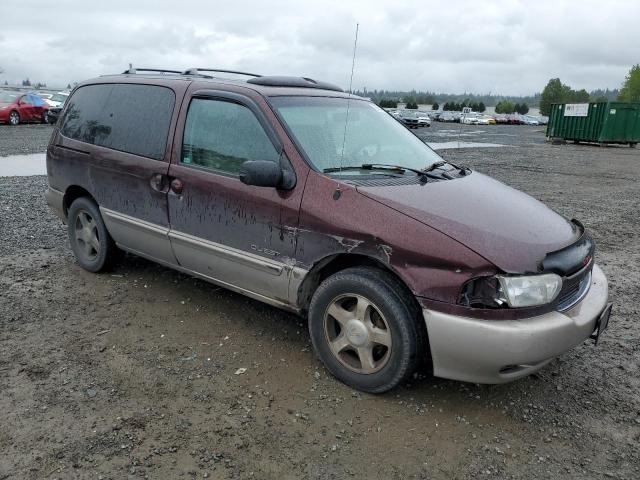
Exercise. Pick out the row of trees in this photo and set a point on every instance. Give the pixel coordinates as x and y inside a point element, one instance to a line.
<point>510,107</point>
<point>457,107</point>
<point>429,98</point>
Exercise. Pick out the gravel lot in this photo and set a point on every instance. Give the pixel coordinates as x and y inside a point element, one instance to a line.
<point>130,374</point>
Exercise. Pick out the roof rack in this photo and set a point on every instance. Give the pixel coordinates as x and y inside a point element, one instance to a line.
<point>196,71</point>
<point>132,70</point>
<point>301,82</point>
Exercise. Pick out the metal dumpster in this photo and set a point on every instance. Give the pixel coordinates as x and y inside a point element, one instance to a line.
<point>602,122</point>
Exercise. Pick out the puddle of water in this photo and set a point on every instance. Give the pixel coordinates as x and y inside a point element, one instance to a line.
<point>35,164</point>
<point>23,165</point>
<point>449,145</point>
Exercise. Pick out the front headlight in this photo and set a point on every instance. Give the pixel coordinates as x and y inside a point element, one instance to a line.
<point>503,291</point>
<point>530,290</point>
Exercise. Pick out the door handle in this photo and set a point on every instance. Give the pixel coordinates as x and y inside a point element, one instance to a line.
<point>159,182</point>
<point>177,186</point>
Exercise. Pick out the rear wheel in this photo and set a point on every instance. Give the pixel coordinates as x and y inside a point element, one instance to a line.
<point>14,118</point>
<point>365,330</point>
<point>90,241</point>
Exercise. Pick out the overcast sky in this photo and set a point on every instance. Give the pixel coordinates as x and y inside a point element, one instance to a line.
<point>508,47</point>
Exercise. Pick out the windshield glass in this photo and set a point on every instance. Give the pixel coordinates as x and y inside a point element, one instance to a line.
<point>372,135</point>
<point>8,97</point>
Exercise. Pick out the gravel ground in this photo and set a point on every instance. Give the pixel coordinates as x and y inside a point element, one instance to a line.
<point>131,374</point>
<point>23,139</point>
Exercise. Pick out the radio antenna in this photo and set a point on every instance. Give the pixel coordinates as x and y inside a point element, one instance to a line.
<point>346,120</point>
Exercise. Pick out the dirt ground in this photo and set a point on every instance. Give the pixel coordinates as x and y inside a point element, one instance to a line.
<point>134,373</point>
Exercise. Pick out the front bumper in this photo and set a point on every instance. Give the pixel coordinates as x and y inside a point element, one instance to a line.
<point>498,351</point>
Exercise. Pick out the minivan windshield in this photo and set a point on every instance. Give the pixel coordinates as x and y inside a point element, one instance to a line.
<point>372,135</point>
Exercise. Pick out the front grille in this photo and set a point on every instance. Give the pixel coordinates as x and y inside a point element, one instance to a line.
<point>574,288</point>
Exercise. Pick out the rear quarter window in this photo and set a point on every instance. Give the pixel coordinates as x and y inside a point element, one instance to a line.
<point>125,117</point>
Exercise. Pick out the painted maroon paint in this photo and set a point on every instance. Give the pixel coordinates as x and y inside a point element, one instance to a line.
<point>507,227</point>
<point>221,209</point>
<point>117,180</point>
<point>434,236</point>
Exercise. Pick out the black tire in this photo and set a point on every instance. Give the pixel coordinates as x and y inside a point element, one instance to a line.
<point>90,257</point>
<point>398,308</point>
<point>14,118</point>
<point>45,117</point>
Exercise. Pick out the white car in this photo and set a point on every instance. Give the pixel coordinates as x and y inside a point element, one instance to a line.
<point>423,119</point>
<point>529,120</point>
<point>469,118</point>
<point>57,99</point>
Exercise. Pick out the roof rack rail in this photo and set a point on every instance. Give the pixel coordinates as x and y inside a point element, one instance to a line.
<point>195,71</point>
<point>132,70</point>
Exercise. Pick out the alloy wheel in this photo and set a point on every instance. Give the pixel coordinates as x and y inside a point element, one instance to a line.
<point>357,333</point>
<point>14,118</point>
<point>86,235</point>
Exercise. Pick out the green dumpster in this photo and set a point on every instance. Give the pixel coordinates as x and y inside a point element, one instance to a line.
<point>601,122</point>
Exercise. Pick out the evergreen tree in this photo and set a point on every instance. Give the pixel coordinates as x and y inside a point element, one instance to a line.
<point>435,106</point>
<point>630,91</point>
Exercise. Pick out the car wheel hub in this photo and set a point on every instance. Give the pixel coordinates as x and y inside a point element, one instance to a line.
<point>357,333</point>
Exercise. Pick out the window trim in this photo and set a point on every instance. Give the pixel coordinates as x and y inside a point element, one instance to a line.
<point>244,101</point>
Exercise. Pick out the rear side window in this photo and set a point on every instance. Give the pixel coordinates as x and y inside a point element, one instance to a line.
<point>130,118</point>
<point>222,135</point>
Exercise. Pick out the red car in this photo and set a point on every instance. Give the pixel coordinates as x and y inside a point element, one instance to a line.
<point>17,107</point>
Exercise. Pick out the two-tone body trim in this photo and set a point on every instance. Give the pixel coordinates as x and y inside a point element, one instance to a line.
<point>158,243</point>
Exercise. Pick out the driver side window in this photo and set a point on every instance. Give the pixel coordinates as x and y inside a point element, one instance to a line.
<point>222,135</point>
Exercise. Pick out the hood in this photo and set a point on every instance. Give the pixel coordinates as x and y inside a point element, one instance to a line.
<point>505,226</point>
<point>5,104</point>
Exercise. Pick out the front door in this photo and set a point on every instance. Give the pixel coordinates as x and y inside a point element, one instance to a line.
<point>241,236</point>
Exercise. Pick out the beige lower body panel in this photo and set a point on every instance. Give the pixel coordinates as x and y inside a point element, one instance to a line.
<point>263,279</point>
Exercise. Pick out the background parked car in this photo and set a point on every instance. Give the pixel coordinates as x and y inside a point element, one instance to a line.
<point>57,99</point>
<point>514,119</point>
<point>529,120</point>
<point>501,118</point>
<point>423,119</point>
<point>17,107</point>
<point>410,119</point>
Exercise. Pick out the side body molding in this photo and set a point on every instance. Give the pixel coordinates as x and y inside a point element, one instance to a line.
<point>279,286</point>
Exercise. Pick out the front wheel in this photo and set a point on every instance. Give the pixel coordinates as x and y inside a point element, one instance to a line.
<point>90,241</point>
<point>365,329</point>
<point>14,118</point>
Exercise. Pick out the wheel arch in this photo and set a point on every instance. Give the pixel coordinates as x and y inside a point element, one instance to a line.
<point>335,263</point>
<point>72,193</point>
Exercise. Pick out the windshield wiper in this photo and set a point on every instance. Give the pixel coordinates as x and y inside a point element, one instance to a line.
<point>383,166</point>
<point>433,166</point>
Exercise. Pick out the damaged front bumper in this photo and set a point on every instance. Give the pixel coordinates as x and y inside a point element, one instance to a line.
<point>498,351</point>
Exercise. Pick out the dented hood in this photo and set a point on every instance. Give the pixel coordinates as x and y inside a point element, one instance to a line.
<point>507,227</point>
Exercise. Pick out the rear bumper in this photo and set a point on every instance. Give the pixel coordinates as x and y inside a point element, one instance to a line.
<point>55,200</point>
<point>498,351</point>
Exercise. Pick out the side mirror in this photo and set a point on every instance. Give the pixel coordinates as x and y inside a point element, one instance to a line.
<point>261,173</point>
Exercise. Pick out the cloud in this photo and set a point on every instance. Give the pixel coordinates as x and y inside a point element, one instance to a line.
<point>511,47</point>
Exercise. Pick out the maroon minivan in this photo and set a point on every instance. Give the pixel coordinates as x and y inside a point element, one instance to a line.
<point>297,194</point>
